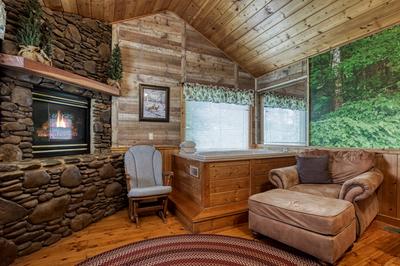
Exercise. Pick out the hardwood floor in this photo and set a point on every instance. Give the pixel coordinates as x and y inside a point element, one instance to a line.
<point>376,247</point>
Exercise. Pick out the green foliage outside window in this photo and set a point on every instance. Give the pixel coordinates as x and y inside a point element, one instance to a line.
<point>355,94</point>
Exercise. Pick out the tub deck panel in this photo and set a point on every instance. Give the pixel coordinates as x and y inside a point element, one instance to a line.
<point>260,170</point>
<point>186,184</point>
<point>217,197</point>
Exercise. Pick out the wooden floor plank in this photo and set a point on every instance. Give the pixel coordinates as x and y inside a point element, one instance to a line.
<point>376,247</point>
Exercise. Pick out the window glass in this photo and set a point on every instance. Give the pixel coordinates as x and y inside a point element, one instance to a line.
<point>217,125</point>
<point>284,126</point>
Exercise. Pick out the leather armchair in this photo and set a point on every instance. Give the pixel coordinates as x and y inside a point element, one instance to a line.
<point>360,190</point>
<point>357,188</point>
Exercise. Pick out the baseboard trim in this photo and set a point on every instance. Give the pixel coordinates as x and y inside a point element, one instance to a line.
<point>389,220</point>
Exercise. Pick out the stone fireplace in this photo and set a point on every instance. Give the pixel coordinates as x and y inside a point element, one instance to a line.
<point>47,198</point>
<point>81,46</point>
<point>57,173</point>
<point>30,106</point>
<point>61,123</point>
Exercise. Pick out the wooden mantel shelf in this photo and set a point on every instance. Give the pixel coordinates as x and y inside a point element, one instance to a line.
<point>26,65</point>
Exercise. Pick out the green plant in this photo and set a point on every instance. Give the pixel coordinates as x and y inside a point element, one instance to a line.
<point>115,65</point>
<point>371,123</point>
<point>368,72</point>
<point>29,31</point>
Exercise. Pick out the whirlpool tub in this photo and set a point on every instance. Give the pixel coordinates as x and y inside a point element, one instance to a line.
<point>229,155</point>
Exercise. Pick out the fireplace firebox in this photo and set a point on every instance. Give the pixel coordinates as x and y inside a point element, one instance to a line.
<point>61,123</point>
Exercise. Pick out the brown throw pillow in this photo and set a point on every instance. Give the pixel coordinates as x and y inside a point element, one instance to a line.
<point>349,164</point>
<point>313,169</point>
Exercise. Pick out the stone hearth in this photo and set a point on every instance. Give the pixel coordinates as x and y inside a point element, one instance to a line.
<point>44,200</point>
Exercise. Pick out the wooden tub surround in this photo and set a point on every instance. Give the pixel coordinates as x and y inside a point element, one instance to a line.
<point>217,195</point>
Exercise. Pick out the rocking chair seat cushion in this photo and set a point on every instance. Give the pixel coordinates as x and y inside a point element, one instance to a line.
<point>149,191</point>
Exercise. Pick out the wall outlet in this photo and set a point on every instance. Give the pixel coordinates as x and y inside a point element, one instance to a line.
<point>151,136</point>
<point>194,171</point>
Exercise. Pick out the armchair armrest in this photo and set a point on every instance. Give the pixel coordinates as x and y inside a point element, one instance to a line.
<point>284,177</point>
<point>167,178</point>
<point>361,186</point>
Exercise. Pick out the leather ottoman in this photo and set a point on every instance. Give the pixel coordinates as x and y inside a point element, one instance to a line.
<point>322,227</point>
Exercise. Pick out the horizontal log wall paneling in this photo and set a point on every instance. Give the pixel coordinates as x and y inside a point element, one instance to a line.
<point>151,54</point>
<point>163,50</point>
<point>389,191</point>
<point>166,152</point>
<point>283,75</point>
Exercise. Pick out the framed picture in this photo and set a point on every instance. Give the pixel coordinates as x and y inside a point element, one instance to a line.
<point>153,103</point>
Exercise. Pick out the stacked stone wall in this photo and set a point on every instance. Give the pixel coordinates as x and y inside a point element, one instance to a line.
<point>16,114</point>
<point>80,45</point>
<point>42,201</point>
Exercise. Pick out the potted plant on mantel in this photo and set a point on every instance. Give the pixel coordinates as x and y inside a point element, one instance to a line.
<point>115,68</point>
<point>34,39</point>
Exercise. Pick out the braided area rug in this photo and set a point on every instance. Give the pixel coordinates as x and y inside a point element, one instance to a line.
<point>196,249</point>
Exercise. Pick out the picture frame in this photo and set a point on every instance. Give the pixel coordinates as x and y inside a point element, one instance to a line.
<point>153,103</point>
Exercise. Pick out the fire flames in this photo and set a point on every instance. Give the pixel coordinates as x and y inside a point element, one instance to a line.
<point>60,120</point>
<point>59,126</point>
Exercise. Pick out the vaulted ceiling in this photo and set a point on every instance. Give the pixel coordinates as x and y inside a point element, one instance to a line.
<point>261,35</point>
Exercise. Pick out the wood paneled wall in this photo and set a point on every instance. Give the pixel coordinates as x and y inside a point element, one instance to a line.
<point>389,191</point>
<point>163,50</point>
<point>166,152</point>
<point>151,54</point>
<point>283,75</point>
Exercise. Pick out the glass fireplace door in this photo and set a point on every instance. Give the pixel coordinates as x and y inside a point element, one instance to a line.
<point>61,124</point>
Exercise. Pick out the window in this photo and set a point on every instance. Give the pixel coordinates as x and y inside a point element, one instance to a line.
<point>284,126</point>
<point>284,112</point>
<point>217,125</point>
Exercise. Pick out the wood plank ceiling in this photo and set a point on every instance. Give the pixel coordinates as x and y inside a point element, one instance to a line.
<point>260,35</point>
